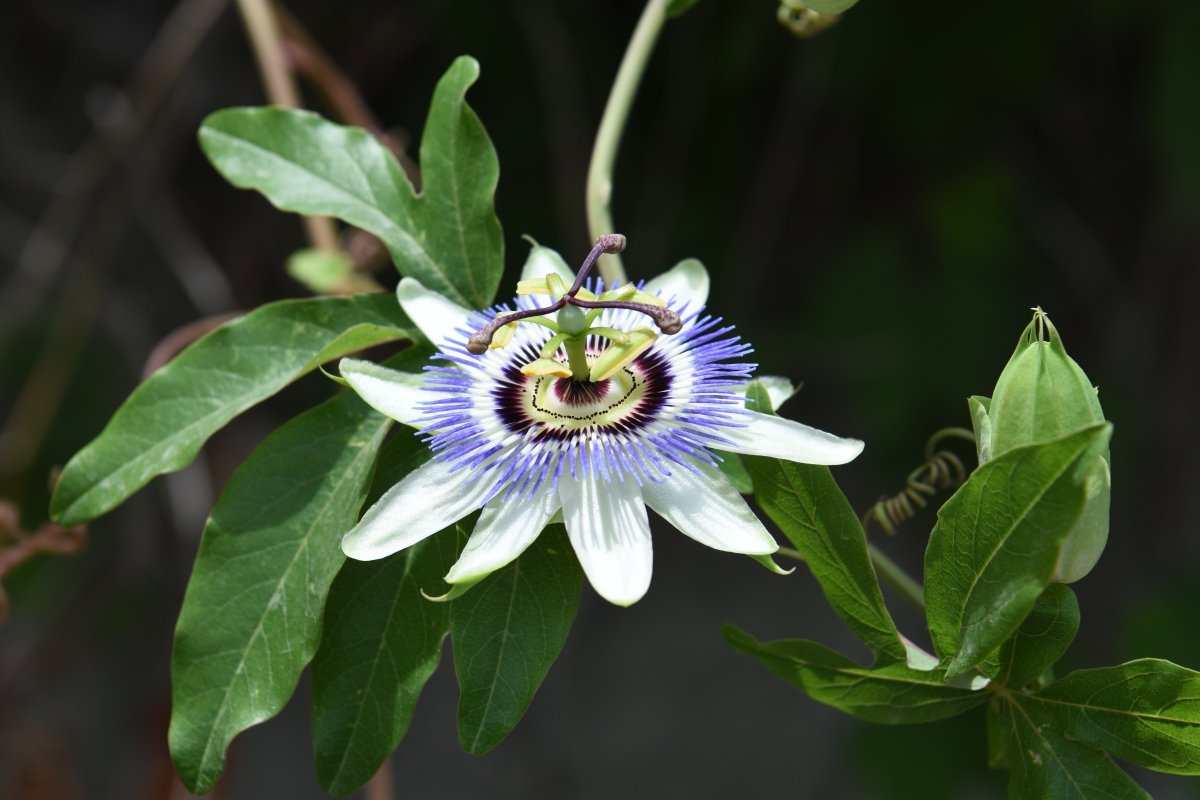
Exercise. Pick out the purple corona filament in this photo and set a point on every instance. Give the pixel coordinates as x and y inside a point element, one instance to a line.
<point>663,411</point>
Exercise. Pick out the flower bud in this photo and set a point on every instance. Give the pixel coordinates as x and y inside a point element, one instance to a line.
<point>1042,394</point>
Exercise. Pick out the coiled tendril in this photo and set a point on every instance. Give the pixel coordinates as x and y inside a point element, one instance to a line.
<point>942,470</point>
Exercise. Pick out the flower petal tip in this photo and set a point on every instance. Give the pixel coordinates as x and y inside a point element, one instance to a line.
<point>851,450</point>
<point>361,548</point>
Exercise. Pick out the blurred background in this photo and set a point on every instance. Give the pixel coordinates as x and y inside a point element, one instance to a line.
<point>879,207</point>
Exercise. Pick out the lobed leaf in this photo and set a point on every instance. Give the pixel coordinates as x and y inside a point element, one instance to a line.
<point>448,236</point>
<point>997,541</point>
<point>893,694</point>
<point>506,633</point>
<point>250,620</point>
<point>1045,764</point>
<point>1042,638</point>
<point>165,421</point>
<point>1146,711</point>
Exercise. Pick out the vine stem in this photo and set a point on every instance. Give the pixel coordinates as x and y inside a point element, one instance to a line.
<point>889,570</point>
<point>263,29</point>
<point>612,126</point>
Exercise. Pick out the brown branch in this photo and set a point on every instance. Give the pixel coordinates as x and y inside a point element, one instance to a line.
<point>346,101</point>
<point>181,337</point>
<point>18,545</point>
<point>117,131</point>
<point>280,86</point>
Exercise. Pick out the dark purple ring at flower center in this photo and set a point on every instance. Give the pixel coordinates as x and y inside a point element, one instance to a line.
<point>572,392</point>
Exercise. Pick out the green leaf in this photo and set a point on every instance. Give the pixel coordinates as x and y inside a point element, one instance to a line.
<point>251,615</point>
<point>734,468</point>
<point>380,643</point>
<point>163,424</point>
<point>997,541</point>
<point>1044,764</point>
<point>1042,638</point>
<point>507,631</point>
<point>448,236</point>
<point>893,694</point>
<point>997,735</point>
<point>1145,711</point>
<point>807,505</point>
<point>328,272</point>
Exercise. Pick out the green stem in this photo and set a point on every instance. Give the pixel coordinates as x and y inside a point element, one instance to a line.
<point>577,357</point>
<point>887,569</point>
<point>900,580</point>
<point>612,125</point>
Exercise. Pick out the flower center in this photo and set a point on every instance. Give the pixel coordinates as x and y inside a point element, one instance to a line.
<point>562,408</point>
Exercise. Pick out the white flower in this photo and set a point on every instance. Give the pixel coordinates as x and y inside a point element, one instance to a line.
<point>525,447</point>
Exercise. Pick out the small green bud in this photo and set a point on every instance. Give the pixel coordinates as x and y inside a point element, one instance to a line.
<point>1042,394</point>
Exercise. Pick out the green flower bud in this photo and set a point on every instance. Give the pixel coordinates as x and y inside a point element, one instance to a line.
<point>1042,394</point>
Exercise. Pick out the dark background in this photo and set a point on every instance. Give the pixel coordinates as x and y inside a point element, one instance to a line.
<point>879,207</point>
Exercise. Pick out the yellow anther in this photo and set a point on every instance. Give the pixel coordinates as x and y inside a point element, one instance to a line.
<point>503,336</point>
<point>619,355</point>
<point>558,287</point>
<point>535,286</point>
<point>545,366</point>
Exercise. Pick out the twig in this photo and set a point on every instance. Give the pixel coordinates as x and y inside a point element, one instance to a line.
<point>280,86</point>
<point>180,338</point>
<point>118,127</point>
<point>612,125</point>
<point>18,546</point>
<point>380,785</point>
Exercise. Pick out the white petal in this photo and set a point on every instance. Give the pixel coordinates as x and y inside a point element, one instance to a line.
<point>707,508</point>
<point>388,391</point>
<point>504,530</point>
<point>429,499</point>
<point>687,282</point>
<point>610,531</point>
<point>768,435</point>
<point>436,316</point>
<point>779,389</point>
<point>542,261</point>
